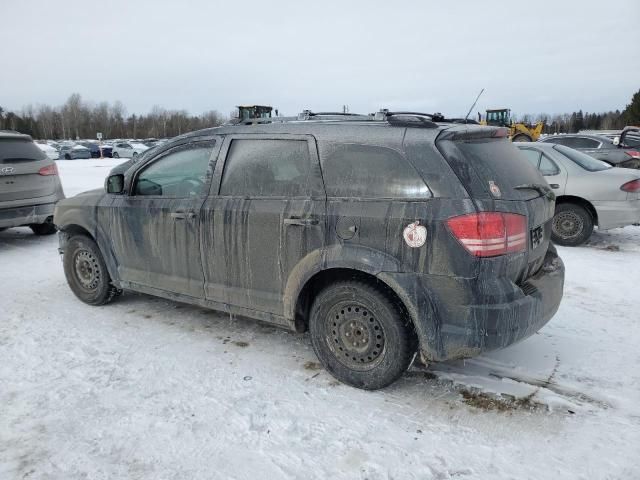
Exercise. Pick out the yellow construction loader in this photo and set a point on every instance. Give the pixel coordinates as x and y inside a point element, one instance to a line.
<point>520,132</point>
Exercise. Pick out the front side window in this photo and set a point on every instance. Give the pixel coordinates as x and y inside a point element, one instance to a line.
<point>180,173</point>
<point>368,171</point>
<point>533,156</point>
<point>548,167</point>
<point>267,168</point>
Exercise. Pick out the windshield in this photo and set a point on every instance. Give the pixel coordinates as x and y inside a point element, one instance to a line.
<point>582,159</point>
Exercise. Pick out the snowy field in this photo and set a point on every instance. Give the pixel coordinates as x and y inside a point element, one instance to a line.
<point>149,388</point>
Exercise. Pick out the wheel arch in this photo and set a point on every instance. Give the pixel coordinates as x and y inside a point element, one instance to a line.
<point>586,204</point>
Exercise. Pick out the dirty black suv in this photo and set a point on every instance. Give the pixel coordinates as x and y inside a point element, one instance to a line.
<point>384,235</point>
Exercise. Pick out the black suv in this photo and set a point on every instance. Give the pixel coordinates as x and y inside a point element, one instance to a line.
<point>383,235</point>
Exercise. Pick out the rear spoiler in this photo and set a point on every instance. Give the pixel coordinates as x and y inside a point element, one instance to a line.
<point>473,133</point>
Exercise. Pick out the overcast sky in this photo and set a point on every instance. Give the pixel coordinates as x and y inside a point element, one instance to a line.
<point>544,56</point>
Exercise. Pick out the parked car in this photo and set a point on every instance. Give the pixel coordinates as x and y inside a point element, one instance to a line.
<point>589,192</point>
<point>50,151</point>
<point>29,185</point>
<point>623,151</point>
<point>74,152</point>
<point>128,149</point>
<point>384,236</point>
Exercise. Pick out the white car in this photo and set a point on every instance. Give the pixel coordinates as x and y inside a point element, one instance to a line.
<point>128,149</point>
<point>51,152</point>
<point>589,192</point>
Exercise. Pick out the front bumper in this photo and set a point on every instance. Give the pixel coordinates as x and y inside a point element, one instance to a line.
<point>18,216</point>
<point>617,214</point>
<point>461,318</point>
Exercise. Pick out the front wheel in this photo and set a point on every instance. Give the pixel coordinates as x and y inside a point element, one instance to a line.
<point>86,271</point>
<point>572,225</point>
<point>115,155</point>
<point>360,336</point>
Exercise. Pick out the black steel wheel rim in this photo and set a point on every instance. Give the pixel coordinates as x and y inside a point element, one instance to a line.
<point>355,336</point>
<point>87,269</point>
<point>567,225</point>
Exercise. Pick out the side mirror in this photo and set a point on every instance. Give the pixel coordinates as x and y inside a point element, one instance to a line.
<point>115,183</point>
<point>616,140</point>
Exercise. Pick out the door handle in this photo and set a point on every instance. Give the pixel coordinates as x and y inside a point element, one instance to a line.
<point>301,221</point>
<point>182,215</point>
<point>555,186</point>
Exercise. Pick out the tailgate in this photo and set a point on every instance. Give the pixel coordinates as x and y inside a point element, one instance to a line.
<point>499,178</point>
<point>20,162</point>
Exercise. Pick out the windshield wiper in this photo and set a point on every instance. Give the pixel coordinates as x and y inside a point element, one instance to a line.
<point>538,187</point>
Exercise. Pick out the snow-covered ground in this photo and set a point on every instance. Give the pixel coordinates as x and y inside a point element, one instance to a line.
<point>149,388</point>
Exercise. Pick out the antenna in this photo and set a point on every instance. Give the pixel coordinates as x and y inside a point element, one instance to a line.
<point>474,104</point>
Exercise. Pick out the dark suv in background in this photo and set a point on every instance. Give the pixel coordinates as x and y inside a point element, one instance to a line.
<point>622,152</point>
<point>382,235</point>
<point>29,184</point>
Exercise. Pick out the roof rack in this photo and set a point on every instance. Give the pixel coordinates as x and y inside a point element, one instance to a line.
<point>400,118</point>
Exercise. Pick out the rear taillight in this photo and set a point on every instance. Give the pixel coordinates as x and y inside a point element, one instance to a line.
<point>633,153</point>
<point>50,170</point>
<point>488,234</point>
<point>632,187</point>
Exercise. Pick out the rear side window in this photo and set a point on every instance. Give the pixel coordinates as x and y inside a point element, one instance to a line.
<point>367,171</point>
<point>16,150</point>
<point>579,142</point>
<point>267,168</point>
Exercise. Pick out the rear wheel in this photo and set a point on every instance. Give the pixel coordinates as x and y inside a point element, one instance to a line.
<point>572,225</point>
<point>360,335</point>
<point>46,228</point>
<point>521,137</point>
<point>86,271</point>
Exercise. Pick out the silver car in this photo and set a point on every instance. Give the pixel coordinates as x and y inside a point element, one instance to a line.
<point>589,192</point>
<point>29,185</point>
<point>128,149</point>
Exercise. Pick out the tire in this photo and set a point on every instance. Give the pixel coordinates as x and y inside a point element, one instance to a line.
<point>521,137</point>
<point>46,228</point>
<point>86,271</point>
<point>115,155</point>
<point>67,156</point>
<point>572,225</point>
<point>351,310</point>
<point>135,155</point>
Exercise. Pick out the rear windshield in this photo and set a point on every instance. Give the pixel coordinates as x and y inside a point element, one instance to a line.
<point>489,163</point>
<point>632,139</point>
<point>582,159</point>
<point>16,150</point>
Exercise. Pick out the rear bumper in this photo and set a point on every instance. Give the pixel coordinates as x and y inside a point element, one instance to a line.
<point>617,214</point>
<point>461,318</point>
<point>16,217</point>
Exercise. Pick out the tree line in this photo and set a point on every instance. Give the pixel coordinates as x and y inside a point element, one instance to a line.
<point>79,119</point>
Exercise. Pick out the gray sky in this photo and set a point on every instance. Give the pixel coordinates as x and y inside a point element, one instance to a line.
<point>544,56</point>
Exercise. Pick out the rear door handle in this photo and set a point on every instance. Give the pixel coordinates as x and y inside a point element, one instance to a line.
<point>182,215</point>
<point>301,221</point>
